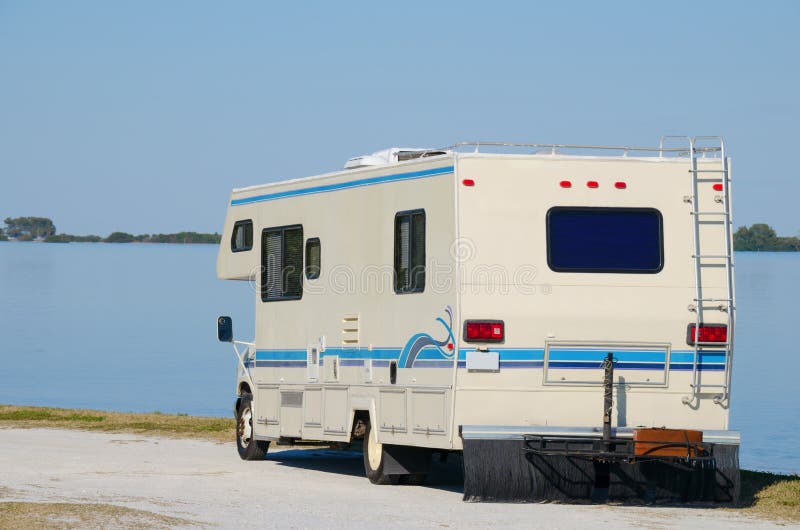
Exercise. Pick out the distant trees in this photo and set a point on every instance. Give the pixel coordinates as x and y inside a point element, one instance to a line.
<point>184,237</point>
<point>762,237</point>
<point>180,237</point>
<point>125,237</point>
<point>43,229</point>
<point>68,238</point>
<point>29,228</point>
<point>119,237</point>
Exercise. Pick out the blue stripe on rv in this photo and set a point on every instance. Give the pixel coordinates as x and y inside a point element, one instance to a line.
<point>325,188</point>
<point>537,354</point>
<point>346,353</point>
<point>281,364</point>
<point>281,355</point>
<point>630,366</point>
<point>509,358</point>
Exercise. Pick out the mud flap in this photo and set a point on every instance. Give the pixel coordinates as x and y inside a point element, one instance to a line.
<point>405,460</point>
<point>500,471</point>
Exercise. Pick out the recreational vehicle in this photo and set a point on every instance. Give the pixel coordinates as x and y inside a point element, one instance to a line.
<point>562,315</point>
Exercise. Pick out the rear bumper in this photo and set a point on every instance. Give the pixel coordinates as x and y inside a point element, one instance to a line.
<point>519,432</point>
<point>545,463</point>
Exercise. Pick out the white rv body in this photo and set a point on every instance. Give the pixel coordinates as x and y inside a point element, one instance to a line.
<point>321,359</point>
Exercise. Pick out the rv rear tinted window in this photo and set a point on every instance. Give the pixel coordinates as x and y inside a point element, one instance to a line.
<point>282,263</point>
<point>242,237</point>
<point>616,240</point>
<point>409,252</point>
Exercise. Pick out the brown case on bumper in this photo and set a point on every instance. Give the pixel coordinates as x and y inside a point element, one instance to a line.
<point>667,442</point>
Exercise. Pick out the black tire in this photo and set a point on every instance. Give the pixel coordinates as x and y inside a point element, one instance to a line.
<point>248,447</point>
<point>374,460</point>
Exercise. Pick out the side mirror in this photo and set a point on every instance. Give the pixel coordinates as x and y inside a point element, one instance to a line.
<point>225,329</point>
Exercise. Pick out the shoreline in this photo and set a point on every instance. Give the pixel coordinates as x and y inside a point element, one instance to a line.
<point>116,242</point>
<point>113,242</point>
<point>209,428</point>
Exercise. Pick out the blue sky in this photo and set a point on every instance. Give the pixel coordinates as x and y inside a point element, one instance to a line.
<point>140,116</point>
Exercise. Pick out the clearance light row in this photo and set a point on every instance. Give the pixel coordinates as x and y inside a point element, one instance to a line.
<point>565,184</point>
<point>620,185</point>
<point>592,184</point>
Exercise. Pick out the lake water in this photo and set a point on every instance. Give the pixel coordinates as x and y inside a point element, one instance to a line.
<point>132,327</point>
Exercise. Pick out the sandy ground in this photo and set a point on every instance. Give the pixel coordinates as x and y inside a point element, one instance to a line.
<point>206,482</point>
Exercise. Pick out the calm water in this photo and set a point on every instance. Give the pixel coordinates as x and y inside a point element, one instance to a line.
<point>128,327</point>
<point>132,328</point>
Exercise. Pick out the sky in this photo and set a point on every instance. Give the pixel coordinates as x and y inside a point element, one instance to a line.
<point>141,116</point>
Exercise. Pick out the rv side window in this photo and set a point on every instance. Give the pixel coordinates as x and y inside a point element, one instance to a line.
<point>612,240</point>
<point>282,263</point>
<point>409,252</point>
<point>242,237</point>
<point>313,258</point>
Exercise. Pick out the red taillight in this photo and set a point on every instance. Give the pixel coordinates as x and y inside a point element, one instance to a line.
<point>593,184</point>
<point>468,182</point>
<point>484,331</point>
<point>620,185</point>
<point>717,187</point>
<point>707,333</point>
<point>565,184</point>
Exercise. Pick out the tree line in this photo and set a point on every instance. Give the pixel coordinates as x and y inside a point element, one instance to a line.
<point>762,237</point>
<point>28,228</point>
<point>43,229</point>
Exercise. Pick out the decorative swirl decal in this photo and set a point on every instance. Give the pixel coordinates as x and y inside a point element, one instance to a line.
<point>420,341</point>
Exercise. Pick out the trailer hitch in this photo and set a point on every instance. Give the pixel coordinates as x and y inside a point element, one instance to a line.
<point>646,444</point>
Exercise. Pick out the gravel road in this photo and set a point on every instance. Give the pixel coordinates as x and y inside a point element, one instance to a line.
<point>206,482</point>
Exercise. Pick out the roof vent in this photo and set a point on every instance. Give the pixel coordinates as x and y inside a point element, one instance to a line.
<point>390,156</point>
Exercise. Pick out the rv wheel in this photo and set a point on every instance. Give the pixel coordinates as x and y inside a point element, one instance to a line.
<point>249,448</point>
<point>374,460</point>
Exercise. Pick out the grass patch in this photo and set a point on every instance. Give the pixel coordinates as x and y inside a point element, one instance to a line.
<point>45,414</point>
<point>156,423</point>
<point>771,495</point>
<point>68,515</point>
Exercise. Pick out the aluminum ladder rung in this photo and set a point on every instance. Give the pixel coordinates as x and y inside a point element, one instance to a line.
<point>712,300</point>
<point>710,256</point>
<point>712,346</point>
<point>707,386</point>
<point>711,179</point>
<point>708,171</point>
<point>710,213</point>
<point>706,299</point>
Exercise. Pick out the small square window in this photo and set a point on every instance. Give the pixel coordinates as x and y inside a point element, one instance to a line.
<point>242,237</point>
<point>313,258</point>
